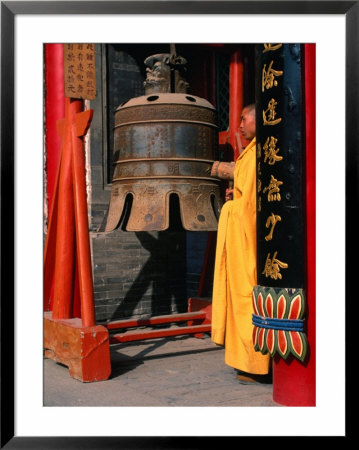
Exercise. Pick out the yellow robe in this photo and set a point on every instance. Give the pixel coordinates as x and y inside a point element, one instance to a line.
<point>235,271</point>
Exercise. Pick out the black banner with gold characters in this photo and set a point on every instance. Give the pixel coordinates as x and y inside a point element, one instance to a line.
<point>280,165</point>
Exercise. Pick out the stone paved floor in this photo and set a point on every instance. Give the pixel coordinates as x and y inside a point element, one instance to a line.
<point>182,371</point>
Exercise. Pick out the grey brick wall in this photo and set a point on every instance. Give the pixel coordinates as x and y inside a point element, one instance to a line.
<point>139,274</point>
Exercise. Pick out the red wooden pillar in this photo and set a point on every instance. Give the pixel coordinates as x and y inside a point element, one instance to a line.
<point>54,111</point>
<point>235,98</point>
<point>293,381</point>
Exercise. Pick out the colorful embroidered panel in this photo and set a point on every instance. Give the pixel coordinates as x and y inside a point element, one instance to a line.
<point>278,321</point>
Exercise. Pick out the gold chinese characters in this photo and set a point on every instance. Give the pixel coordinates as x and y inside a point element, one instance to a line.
<point>270,151</point>
<point>270,113</point>
<point>272,220</point>
<point>271,47</point>
<point>273,189</point>
<point>268,76</point>
<point>272,267</point>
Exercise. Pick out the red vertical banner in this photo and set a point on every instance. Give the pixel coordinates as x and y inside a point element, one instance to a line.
<point>294,381</point>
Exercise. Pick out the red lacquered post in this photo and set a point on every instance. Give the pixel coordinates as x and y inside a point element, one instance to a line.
<point>236,69</point>
<point>54,111</point>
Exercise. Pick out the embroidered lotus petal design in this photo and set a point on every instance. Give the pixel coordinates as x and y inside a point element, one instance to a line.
<point>278,324</point>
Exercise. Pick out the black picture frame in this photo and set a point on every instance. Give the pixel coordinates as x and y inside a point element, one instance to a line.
<point>9,10</point>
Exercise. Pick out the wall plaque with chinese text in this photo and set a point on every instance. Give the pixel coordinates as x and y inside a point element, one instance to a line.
<point>80,71</point>
<point>280,176</point>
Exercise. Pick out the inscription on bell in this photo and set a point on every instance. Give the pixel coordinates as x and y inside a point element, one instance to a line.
<point>151,190</point>
<point>173,168</point>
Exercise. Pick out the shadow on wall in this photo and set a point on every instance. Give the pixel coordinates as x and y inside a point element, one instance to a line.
<point>162,279</point>
<point>142,274</point>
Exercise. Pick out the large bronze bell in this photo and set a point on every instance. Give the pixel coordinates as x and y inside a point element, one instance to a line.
<point>165,143</point>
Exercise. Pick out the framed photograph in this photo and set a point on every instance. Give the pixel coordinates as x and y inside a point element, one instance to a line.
<point>25,27</point>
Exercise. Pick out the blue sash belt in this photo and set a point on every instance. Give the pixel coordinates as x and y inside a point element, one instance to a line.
<point>278,324</point>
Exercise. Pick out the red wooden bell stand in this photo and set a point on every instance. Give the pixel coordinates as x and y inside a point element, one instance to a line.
<point>196,321</point>
<point>84,350</point>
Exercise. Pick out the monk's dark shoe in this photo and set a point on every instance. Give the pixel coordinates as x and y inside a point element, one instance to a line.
<point>252,379</point>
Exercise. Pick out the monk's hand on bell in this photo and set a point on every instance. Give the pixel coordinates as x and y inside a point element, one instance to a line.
<point>214,169</point>
<point>229,194</point>
<point>223,170</point>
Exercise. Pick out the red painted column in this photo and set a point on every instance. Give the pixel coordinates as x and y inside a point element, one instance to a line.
<point>55,110</point>
<point>235,99</point>
<point>293,381</point>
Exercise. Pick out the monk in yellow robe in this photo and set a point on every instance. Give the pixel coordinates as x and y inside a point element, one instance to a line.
<point>236,263</point>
